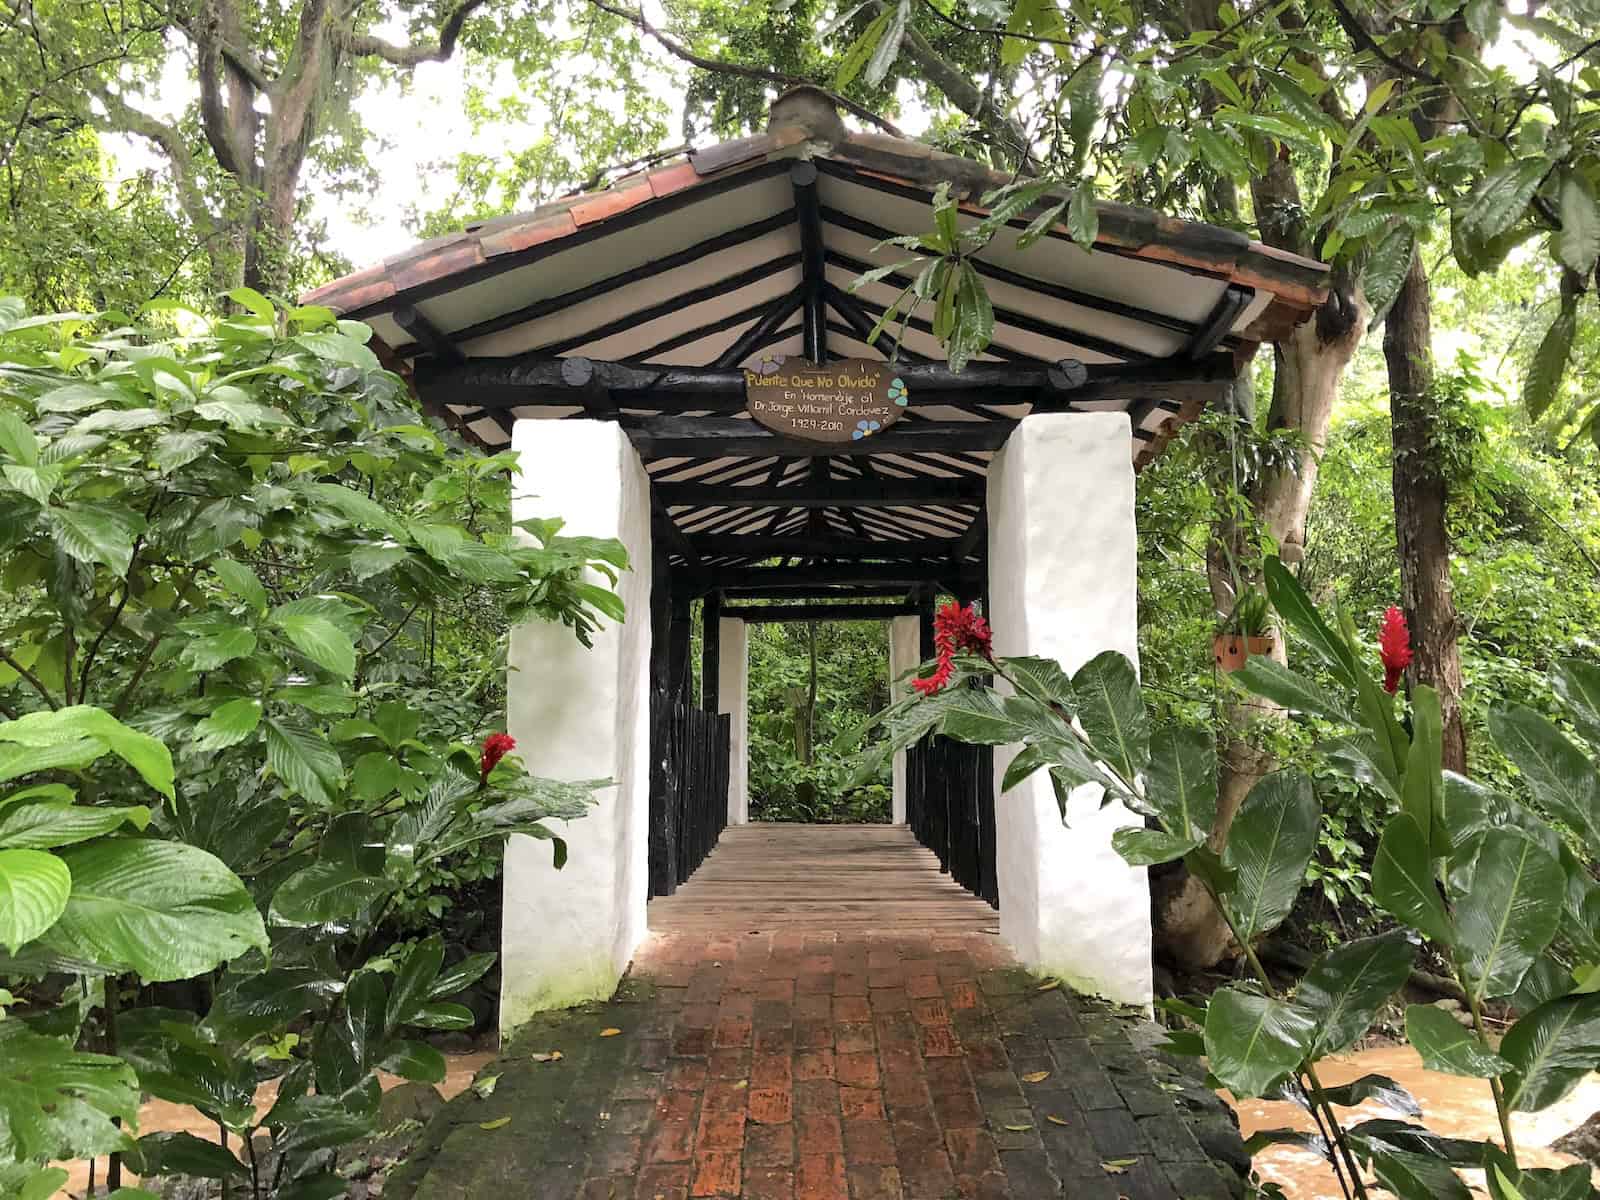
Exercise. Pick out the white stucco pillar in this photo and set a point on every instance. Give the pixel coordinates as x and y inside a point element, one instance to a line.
<point>1063,584</point>
<point>733,698</point>
<point>577,713</point>
<point>905,646</point>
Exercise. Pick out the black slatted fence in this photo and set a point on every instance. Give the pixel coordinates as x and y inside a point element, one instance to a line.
<point>950,808</point>
<point>690,807</point>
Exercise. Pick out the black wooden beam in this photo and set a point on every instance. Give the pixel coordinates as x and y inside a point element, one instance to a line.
<point>711,652</point>
<point>847,593</point>
<point>813,264</point>
<point>538,379</point>
<point>428,336</point>
<point>672,437</point>
<point>753,338</point>
<point>764,545</point>
<point>797,579</point>
<point>673,538</point>
<point>849,308</point>
<point>1219,322</point>
<point>819,612</point>
<point>976,533</point>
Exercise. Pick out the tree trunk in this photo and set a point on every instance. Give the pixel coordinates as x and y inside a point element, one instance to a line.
<point>1310,365</point>
<point>1421,494</point>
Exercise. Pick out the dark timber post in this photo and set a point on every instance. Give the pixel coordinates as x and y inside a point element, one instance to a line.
<point>663,841</point>
<point>679,637</point>
<point>711,651</point>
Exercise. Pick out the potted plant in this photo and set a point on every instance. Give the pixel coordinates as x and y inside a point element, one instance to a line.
<point>1246,631</point>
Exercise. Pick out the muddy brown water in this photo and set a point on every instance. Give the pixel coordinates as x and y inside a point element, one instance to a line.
<point>1450,1105</point>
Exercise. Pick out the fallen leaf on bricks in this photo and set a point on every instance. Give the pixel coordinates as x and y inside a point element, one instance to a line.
<point>1036,1077</point>
<point>609,1032</point>
<point>1055,1120</point>
<point>1118,1166</point>
<point>552,1056</point>
<point>1018,1128</point>
<point>494,1124</point>
<point>1050,985</point>
<point>485,1086</point>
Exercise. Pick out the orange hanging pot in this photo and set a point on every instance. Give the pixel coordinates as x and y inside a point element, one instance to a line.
<point>1231,651</point>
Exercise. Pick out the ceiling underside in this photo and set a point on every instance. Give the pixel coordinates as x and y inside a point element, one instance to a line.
<point>763,259</point>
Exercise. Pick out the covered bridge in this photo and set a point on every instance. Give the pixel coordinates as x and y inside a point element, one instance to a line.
<point>607,337</point>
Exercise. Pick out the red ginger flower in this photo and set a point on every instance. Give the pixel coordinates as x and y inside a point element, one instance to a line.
<point>1394,648</point>
<point>495,747</point>
<point>955,629</point>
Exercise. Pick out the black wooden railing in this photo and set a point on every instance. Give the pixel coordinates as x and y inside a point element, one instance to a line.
<point>689,793</point>
<point>950,808</point>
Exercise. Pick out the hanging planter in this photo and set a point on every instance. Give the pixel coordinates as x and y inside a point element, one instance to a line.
<point>1247,631</point>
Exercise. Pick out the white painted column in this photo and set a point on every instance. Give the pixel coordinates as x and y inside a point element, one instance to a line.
<point>905,647</point>
<point>1063,584</point>
<point>577,713</point>
<point>733,698</point>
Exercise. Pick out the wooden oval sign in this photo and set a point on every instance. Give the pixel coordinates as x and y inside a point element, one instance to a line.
<point>843,401</point>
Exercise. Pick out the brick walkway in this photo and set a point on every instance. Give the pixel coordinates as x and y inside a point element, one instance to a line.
<point>807,1066</point>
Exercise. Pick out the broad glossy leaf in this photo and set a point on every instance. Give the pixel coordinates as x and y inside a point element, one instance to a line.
<point>1562,779</point>
<point>1385,1133</point>
<point>1543,380</point>
<point>1510,913</point>
<point>1507,1181</point>
<point>1267,677</point>
<point>1146,847</point>
<point>1417,1176</point>
<point>320,640</point>
<point>413,1060</point>
<point>184,1154</point>
<point>1468,809</point>
<point>218,649</point>
<point>33,894</point>
<point>1422,789</point>
<point>68,726</point>
<point>16,761</point>
<point>43,826</point>
<point>1577,683</point>
<point>1180,785</point>
<point>1294,606</point>
<point>241,581</point>
<point>57,1102</point>
<point>325,891</point>
<point>462,975</point>
<point>1447,1045</point>
<point>1578,242</point>
<point>1252,1041</point>
<point>1550,1050</point>
<point>305,762</point>
<point>1345,988</point>
<point>1359,756</point>
<point>1272,839</point>
<point>413,981</point>
<point>1500,199</point>
<point>1403,882</point>
<point>228,725</point>
<point>1041,678</point>
<point>1111,711</point>
<point>96,532</point>
<point>1374,1087</point>
<point>163,910</point>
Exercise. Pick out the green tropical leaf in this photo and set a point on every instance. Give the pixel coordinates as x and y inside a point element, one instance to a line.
<point>163,910</point>
<point>413,982</point>
<point>320,640</point>
<point>1403,882</point>
<point>855,58</point>
<point>1577,683</point>
<point>228,725</point>
<point>462,975</point>
<point>1267,677</point>
<point>1500,200</point>
<point>33,894</point>
<point>1083,217</point>
<point>1147,847</point>
<point>1445,1045</point>
<point>1507,917</point>
<point>1252,1041</point>
<point>1417,1176</point>
<point>184,1154</point>
<point>1291,603</point>
<point>1180,785</point>
<point>1111,711</point>
<point>57,1102</point>
<point>1550,1050</point>
<point>1270,843</point>
<point>1578,242</point>
<point>17,439</point>
<point>241,581</point>
<point>416,1061</point>
<point>218,649</point>
<point>304,761</point>
<point>325,891</point>
<point>1422,787</point>
<point>1374,1087</point>
<point>1550,362</point>
<point>1561,778</point>
<point>1345,988</point>
<point>68,728</point>
<point>96,531</point>
<point>44,826</point>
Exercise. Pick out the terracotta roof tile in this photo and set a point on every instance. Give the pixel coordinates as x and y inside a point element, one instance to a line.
<point>609,203</point>
<point>666,180</point>
<point>446,260</point>
<point>726,154</point>
<point>530,233</point>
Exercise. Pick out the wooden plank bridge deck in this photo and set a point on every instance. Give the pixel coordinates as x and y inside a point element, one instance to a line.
<point>836,878</point>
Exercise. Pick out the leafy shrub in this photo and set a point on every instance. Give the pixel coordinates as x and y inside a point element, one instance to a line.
<point>224,553</point>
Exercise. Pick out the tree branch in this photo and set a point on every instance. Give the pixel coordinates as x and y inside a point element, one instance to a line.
<point>678,50</point>
<point>5,657</point>
<point>410,56</point>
